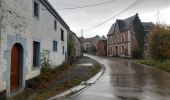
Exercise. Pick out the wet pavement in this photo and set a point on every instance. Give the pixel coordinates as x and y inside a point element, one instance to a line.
<point>125,80</point>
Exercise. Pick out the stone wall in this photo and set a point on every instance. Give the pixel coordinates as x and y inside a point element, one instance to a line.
<point>19,25</point>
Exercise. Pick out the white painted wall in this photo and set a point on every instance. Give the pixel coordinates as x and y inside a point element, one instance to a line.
<point>18,19</point>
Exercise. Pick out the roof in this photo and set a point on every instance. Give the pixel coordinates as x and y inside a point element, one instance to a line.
<point>71,32</point>
<point>148,26</point>
<point>111,31</point>
<point>102,41</point>
<point>123,24</point>
<point>51,9</point>
<point>103,38</point>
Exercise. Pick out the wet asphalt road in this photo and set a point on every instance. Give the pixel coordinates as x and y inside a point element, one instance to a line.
<point>125,80</point>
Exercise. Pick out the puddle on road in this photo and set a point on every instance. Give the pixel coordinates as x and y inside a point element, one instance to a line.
<point>86,64</point>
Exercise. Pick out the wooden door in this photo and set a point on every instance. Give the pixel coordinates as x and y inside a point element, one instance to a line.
<point>15,63</point>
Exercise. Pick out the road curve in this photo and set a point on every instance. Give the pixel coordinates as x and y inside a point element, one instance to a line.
<point>125,80</point>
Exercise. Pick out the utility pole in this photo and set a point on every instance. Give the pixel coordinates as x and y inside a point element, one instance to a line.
<point>158,20</point>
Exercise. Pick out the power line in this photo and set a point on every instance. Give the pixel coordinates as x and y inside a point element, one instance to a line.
<point>66,3</point>
<point>86,6</point>
<point>137,2</point>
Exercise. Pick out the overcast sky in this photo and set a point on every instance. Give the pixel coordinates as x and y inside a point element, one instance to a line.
<point>85,18</point>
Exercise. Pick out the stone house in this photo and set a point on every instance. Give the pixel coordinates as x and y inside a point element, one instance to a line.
<point>86,42</point>
<point>90,44</point>
<point>125,36</point>
<point>74,41</point>
<point>27,27</point>
<point>148,27</point>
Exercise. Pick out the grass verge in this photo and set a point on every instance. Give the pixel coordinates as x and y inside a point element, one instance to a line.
<point>165,65</point>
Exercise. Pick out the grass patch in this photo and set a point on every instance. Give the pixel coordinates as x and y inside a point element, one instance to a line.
<point>39,88</point>
<point>47,93</point>
<point>47,75</point>
<point>165,65</point>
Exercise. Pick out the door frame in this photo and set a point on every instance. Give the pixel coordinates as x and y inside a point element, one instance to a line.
<point>11,41</point>
<point>20,79</point>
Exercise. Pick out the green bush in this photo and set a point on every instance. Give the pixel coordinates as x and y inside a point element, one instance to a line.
<point>45,62</point>
<point>160,43</point>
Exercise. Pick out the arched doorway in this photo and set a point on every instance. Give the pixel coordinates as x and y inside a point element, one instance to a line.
<point>16,67</point>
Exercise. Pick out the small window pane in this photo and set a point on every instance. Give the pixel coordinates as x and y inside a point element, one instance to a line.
<point>36,54</point>
<point>54,45</point>
<point>55,24</point>
<point>36,9</point>
<point>62,35</point>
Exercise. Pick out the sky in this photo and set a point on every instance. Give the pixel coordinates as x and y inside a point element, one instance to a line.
<point>86,18</point>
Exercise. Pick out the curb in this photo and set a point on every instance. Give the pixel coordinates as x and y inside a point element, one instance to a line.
<point>80,87</point>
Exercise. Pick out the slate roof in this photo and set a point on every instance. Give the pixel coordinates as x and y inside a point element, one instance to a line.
<point>148,26</point>
<point>123,24</point>
<point>111,31</point>
<point>103,38</point>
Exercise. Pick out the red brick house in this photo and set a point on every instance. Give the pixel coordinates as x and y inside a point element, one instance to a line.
<point>148,27</point>
<point>102,47</point>
<point>125,37</point>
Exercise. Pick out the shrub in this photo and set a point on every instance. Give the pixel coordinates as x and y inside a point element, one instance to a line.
<point>45,62</point>
<point>160,43</point>
<point>136,54</point>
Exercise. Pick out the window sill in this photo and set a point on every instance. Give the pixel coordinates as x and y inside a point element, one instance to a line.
<point>35,68</point>
<point>54,51</point>
<point>36,17</point>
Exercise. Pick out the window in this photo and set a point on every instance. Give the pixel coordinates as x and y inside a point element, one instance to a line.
<point>123,49</point>
<point>55,24</point>
<point>123,39</point>
<point>54,45</point>
<point>36,9</point>
<point>36,54</point>
<point>62,35</point>
<point>63,50</point>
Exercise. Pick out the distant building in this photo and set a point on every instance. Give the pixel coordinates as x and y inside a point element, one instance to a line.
<point>90,44</point>
<point>102,47</point>
<point>148,27</point>
<point>86,42</point>
<point>126,36</point>
<point>74,46</point>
